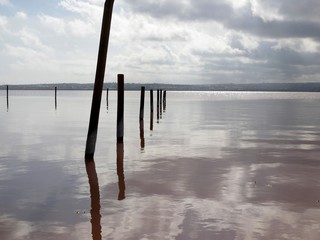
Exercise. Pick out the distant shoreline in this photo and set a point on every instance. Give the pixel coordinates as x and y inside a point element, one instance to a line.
<point>262,87</point>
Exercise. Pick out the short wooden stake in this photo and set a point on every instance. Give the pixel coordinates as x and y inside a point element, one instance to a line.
<point>141,114</point>
<point>107,98</point>
<point>151,101</point>
<point>158,106</point>
<point>164,100</point>
<point>55,97</point>
<point>7,97</point>
<point>151,110</point>
<point>120,111</point>
<point>160,103</point>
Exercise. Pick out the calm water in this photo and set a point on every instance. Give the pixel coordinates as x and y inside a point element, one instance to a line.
<point>217,165</point>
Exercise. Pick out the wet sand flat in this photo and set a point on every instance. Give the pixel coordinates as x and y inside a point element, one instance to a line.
<point>216,165</point>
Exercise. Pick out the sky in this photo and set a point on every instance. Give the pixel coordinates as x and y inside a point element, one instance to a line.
<point>161,41</point>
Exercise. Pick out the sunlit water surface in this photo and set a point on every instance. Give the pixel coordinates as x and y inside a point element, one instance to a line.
<point>217,165</point>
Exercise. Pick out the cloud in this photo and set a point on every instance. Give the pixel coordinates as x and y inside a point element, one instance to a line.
<point>28,57</point>
<point>183,10</point>
<point>199,41</point>
<point>228,41</point>
<point>3,21</point>
<point>307,10</point>
<point>45,46</point>
<point>307,45</point>
<point>56,24</point>
<point>21,15</point>
<point>30,39</point>
<point>274,29</point>
<point>260,18</point>
<point>16,229</point>
<point>90,10</point>
<point>268,11</point>
<point>81,28</point>
<point>5,2</point>
<point>216,55</point>
<point>88,16</point>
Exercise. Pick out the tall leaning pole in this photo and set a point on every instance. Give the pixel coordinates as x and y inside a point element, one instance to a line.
<point>98,84</point>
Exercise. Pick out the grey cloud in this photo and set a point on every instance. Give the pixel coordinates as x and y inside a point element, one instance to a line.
<point>267,51</point>
<point>265,63</point>
<point>155,8</point>
<point>275,29</point>
<point>191,10</point>
<point>176,37</point>
<point>268,60</point>
<point>236,44</point>
<point>240,20</point>
<point>297,9</point>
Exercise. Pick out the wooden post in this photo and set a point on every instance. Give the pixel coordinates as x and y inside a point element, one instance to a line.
<point>164,100</point>
<point>55,97</point>
<point>120,122</point>
<point>142,103</point>
<point>158,106</point>
<point>120,172</point>
<point>160,103</point>
<point>107,98</point>
<point>95,200</point>
<point>98,85</point>
<point>7,97</point>
<point>151,110</point>
<point>151,101</point>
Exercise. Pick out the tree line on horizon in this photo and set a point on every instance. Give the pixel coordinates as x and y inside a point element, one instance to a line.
<point>295,87</point>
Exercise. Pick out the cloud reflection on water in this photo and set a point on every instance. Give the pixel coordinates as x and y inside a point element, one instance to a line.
<point>224,166</point>
<point>218,203</point>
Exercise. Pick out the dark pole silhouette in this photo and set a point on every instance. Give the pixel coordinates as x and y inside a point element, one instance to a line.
<point>95,200</point>
<point>120,172</point>
<point>142,103</point>
<point>98,85</point>
<point>55,97</point>
<point>160,103</point>
<point>164,100</point>
<point>107,98</point>
<point>120,121</point>
<point>7,97</point>
<point>158,106</point>
<point>151,110</point>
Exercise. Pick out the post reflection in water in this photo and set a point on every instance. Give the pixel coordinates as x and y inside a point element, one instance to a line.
<point>120,172</point>
<point>141,126</point>
<point>95,199</point>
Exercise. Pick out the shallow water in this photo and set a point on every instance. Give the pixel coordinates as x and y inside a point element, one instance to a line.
<point>217,165</point>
